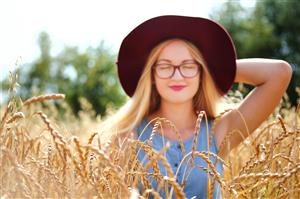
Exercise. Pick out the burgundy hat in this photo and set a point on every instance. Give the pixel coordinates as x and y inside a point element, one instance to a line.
<point>209,37</point>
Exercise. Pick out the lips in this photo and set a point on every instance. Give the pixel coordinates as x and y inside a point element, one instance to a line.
<point>177,87</point>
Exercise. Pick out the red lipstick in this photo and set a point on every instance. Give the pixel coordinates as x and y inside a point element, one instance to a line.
<point>177,87</point>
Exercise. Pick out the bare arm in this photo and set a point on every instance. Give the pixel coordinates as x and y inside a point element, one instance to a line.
<point>271,78</point>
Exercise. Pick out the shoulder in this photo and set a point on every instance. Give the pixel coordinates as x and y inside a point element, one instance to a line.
<point>142,129</point>
<point>221,128</point>
<point>230,129</point>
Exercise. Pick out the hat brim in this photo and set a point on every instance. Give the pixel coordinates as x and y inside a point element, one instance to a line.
<point>209,37</point>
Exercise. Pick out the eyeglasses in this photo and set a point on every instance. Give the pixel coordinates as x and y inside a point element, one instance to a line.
<point>167,70</point>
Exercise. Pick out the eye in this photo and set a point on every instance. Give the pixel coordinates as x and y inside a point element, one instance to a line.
<point>163,67</point>
<point>189,66</point>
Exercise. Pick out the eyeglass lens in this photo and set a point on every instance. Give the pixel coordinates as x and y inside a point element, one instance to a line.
<point>166,70</point>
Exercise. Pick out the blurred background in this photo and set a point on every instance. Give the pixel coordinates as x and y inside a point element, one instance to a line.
<point>71,47</point>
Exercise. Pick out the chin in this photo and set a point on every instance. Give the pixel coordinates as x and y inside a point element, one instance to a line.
<point>177,100</point>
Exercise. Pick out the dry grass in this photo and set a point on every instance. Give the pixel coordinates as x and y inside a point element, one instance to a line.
<point>40,158</point>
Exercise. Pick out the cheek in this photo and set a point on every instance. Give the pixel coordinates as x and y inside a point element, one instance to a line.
<point>196,85</point>
<point>159,84</point>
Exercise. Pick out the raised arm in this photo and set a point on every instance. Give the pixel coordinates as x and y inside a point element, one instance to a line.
<point>270,78</point>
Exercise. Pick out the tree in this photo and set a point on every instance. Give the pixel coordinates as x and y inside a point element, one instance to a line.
<point>269,30</point>
<point>90,75</point>
<point>39,73</point>
<point>285,15</point>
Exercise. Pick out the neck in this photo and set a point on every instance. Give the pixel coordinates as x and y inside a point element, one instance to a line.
<point>181,115</point>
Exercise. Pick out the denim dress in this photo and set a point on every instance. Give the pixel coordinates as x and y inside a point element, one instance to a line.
<point>194,178</point>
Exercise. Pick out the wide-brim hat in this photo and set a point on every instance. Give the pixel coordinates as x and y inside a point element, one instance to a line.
<point>208,36</point>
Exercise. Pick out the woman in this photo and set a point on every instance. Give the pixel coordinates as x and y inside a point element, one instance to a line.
<point>173,67</point>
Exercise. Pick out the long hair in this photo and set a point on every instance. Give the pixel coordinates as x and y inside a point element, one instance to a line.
<point>146,99</point>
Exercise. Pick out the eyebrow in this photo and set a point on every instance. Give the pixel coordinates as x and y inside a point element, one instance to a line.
<point>167,60</point>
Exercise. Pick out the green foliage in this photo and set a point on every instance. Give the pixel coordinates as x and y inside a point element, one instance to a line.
<point>90,75</point>
<point>269,30</point>
<point>39,76</point>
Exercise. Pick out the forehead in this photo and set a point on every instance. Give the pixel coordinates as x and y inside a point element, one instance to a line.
<point>175,51</point>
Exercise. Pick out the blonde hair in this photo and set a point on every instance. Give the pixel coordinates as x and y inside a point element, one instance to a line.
<point>146,99</point>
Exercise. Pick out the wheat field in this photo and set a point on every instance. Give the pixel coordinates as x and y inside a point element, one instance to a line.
<point>45,156</point>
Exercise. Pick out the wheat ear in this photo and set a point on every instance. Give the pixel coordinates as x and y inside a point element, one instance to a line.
<point>42,98</point>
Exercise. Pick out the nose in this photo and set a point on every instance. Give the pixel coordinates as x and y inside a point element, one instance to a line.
<point>177,74</point>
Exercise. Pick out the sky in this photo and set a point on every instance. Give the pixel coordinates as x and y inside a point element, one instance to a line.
<point>81,23</point>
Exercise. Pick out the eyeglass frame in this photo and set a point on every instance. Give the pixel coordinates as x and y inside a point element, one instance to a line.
<point>178,67</point>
